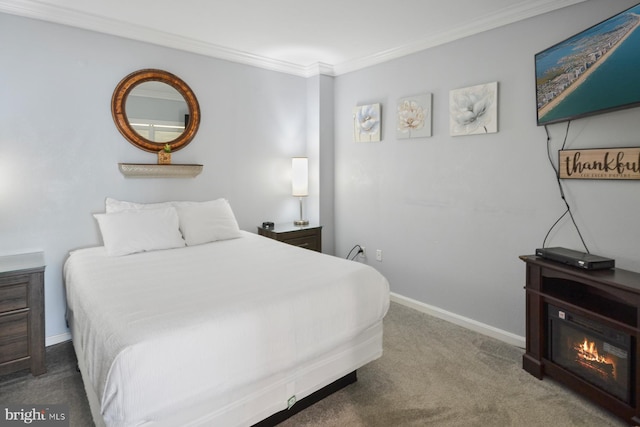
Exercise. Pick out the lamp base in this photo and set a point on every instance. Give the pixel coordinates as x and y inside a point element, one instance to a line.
<point>301,222</point>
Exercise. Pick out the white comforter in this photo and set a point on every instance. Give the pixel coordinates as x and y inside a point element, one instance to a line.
<point>162,329</point>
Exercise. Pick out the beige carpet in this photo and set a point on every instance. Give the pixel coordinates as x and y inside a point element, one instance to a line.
<point>432,373</point>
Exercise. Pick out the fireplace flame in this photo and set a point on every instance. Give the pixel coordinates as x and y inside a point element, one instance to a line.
<point>588,352</point>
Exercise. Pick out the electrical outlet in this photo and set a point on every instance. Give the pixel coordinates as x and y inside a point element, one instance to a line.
<point>363,253</point>
<point>379,254</point>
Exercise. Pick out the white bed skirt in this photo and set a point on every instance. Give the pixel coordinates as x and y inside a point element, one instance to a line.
<point>249,405</point>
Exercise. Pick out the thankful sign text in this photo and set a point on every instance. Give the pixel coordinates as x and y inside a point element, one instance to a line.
<point>600,163</point>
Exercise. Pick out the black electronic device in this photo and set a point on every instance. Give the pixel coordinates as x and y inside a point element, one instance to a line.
<point>268,225</point>
<point>576,259</point>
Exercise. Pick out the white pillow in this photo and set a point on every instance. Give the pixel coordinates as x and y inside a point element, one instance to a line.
<point>113,205</point>
<point>134,231</point>
<point>207,222</point>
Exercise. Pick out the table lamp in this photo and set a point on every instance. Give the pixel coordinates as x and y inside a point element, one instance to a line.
<point>300,183</point>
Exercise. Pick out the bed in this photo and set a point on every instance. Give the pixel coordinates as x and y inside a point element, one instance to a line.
<point>220,330</point>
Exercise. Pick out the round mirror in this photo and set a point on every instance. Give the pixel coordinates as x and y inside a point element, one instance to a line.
<point>152,108</point>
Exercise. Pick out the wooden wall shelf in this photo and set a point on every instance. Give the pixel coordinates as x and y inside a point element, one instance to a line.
<point>140,170</point>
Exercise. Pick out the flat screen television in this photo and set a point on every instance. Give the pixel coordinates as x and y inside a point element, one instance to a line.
<point>593,72</point>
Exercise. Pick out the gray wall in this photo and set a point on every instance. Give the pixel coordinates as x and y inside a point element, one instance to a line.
<point>452,214</point>
<point>59,147</point>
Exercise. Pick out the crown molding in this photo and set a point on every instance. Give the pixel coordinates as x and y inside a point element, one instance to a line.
<point>319,68</point>
<point>509,15</point>
<point>60,15</point>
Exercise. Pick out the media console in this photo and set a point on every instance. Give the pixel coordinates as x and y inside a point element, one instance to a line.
<point>583,330</point>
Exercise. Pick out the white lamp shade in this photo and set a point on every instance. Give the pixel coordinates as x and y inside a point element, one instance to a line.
<point>300,176</point>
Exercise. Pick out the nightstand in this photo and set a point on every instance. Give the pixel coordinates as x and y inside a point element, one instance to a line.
<point>22,313</point>
<point>308,236</point>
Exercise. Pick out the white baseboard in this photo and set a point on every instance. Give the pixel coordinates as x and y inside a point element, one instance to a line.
<point>465,322</point>
<point>57,339</point>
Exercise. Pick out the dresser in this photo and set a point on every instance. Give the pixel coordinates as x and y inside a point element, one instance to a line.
<point>22,313</point>
<point>308,236</point>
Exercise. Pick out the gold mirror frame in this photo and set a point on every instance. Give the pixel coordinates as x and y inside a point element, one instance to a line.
<point>118,111</point>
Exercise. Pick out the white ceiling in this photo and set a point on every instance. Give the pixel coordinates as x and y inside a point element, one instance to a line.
<point>301,37</point>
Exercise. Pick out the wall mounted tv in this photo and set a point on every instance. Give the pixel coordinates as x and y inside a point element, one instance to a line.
<point>593,72</point>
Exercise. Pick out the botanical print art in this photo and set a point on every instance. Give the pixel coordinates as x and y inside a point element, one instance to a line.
<point>414,117</point>
<point>366,123</point>
<point>474,110</point>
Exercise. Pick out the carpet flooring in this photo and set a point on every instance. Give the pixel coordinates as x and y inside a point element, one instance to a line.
<point>432,373</point>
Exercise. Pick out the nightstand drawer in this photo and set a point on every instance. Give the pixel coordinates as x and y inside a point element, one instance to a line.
<point>308,237</point>
<point>307,242</point>
<point>14,337</point>
<point>22,313</point>
<point>13,294</point>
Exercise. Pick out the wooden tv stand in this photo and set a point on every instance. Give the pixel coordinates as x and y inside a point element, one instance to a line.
<point>609,296</point>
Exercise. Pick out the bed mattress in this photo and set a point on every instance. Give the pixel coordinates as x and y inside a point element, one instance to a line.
<point>161,331</point>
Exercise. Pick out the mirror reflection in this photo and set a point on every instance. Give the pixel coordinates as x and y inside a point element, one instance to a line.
<point>157,111</point>
<point>152,108</point>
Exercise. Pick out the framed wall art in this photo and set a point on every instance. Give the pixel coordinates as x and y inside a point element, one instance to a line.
<point>413,116</point>
<point>366,123</point>
<point>474,110</point>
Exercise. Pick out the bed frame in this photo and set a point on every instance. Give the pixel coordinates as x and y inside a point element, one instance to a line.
<point>315,397</point>
<point>254,405</point>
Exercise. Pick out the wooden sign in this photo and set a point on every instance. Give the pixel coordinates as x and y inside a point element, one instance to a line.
<point>600,163</point>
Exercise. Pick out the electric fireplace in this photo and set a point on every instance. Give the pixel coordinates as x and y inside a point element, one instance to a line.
<point>583,330</point>
<point>596,353</point>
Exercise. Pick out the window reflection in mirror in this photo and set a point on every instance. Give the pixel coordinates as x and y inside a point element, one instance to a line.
<point>157,111</point>
<point>161,105</point>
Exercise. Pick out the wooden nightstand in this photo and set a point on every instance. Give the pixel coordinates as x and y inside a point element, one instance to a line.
<point>308,236</point>
<point>22,313</point>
